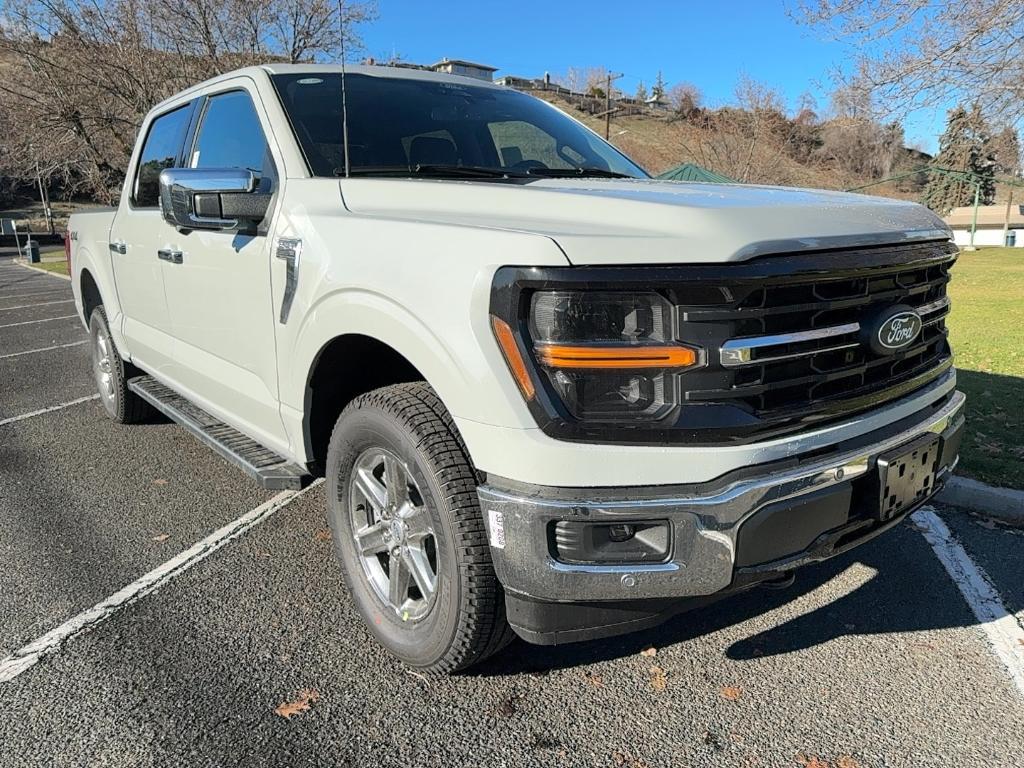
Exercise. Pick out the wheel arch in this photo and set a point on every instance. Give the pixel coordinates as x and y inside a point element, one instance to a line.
<point>346,366</point>
<point>90,293</point>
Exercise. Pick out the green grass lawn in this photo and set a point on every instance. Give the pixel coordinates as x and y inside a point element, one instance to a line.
<point>987,333</point>
<point>59,267</point>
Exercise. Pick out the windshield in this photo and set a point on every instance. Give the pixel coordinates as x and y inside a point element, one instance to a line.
<point>430,127</point>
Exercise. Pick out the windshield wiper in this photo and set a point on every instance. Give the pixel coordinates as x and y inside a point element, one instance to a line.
<point>439,171</point>
<point>571,173</point>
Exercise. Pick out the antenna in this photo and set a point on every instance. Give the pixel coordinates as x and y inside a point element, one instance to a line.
<point>344,102</point>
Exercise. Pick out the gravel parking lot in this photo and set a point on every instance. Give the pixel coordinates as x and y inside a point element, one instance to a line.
<point>252,654</point>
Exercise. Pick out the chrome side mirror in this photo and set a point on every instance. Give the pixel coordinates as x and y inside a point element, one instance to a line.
<point>209,198</point>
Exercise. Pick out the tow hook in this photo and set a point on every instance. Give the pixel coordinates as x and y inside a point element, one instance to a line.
<point>782,582</point>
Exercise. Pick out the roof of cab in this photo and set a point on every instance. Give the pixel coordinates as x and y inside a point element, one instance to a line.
<point>406,73</point>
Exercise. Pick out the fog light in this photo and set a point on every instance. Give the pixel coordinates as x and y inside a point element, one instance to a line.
<point>620,533</point>
<point>575,541</point>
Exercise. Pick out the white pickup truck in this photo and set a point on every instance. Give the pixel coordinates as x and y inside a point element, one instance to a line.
<point>548,393</point>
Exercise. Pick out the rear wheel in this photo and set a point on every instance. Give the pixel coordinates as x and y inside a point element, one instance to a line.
<point>408,530</point>
<point>110,373</point>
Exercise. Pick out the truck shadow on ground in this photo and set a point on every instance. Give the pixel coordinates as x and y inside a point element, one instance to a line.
<point>903,589</point>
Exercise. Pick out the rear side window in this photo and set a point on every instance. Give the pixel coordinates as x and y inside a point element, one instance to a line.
<point>163,143</point>
<point>231,135</point>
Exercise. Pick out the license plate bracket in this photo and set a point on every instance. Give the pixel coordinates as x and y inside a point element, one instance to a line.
<point>906,475</point>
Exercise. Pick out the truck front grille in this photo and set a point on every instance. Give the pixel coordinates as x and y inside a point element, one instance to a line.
<point>793,345</point>
<point>786,340</point>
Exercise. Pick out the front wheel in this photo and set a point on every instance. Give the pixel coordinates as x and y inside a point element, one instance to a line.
<point>409,533</point>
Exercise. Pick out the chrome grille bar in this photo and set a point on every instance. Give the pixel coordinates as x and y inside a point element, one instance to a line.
<point>738,352</point>
<point>938,309</point>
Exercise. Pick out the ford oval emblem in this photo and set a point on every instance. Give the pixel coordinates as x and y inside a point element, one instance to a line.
<point>898,330</point>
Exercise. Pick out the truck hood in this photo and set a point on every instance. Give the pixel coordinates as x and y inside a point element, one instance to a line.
<point>645,221</point>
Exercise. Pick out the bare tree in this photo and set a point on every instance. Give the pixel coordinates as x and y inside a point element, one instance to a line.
<point>1004,146</point>
<point>79,75</point>
<point>685,98</point>
<point>745,141</point>
<point>932,53</point>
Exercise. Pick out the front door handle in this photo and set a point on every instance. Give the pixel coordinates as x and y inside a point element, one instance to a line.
<point>166,254</point>
<point>119,246</point>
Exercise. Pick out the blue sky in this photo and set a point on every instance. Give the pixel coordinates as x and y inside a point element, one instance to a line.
<point>707,43</point>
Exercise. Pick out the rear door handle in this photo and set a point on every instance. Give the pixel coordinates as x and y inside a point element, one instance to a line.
<point>166,254</point>
<point>119,246</point>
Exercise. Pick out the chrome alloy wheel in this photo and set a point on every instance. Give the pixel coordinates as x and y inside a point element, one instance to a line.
<point>103,366</point>
<point>394,534</point>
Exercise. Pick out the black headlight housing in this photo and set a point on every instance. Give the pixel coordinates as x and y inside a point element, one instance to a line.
<point>604,360</point>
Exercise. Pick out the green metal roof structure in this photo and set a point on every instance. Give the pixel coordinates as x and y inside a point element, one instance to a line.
<point>692,172</point>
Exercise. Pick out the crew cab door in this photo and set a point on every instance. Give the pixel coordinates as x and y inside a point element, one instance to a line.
<point>218,284</point>
<point>137,235</point>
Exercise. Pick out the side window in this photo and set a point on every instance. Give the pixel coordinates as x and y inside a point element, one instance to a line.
<point>163,143</point>
<point>230,135</point>
<point>521,142</point>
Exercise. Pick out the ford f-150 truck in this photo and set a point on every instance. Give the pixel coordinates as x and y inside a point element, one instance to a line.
<point>549,394</point>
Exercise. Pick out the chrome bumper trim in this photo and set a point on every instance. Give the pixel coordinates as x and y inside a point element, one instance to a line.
<point>704,527</point>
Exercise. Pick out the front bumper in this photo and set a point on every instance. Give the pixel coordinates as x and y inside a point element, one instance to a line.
<point>708,552</point>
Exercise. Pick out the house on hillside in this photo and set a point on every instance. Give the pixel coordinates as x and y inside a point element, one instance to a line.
<point>991,219</point>
<point>449,66</point>
<point>465,68</point>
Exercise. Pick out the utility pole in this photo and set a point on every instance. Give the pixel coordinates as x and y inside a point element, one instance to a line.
<point>974,219</point>
<point>1006,218</point>
<point>44,198</point>
<point>608,102</point>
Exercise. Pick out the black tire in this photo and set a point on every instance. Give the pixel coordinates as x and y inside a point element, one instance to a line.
<point>465,622</point>
<point>120,403</point>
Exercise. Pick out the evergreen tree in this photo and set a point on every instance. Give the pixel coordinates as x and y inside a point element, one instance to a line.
<point>965,146</point>
<point>658,90</point>
<point>641,92</point>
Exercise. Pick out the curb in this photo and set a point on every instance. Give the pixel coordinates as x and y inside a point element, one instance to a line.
<point>43,271</point>
<point>1005,505</point>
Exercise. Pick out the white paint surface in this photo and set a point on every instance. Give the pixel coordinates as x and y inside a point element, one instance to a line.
<point>41,411</point>
<point>1001,629</point>
<point>28,655</point>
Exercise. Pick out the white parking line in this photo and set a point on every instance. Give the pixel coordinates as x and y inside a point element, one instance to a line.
<point>46,320</point>
<point>44,349</point>
<point>48,292</point>
<point>40,304</point>
<point>41,411</point>
<point>1004,634</point>
<point>28,655</point>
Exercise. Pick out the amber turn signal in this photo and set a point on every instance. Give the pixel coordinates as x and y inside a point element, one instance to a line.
<point>566,356</point>
<point>513,357</point>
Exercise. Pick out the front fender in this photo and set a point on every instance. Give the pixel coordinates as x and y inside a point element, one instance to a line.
<point>362,312</point>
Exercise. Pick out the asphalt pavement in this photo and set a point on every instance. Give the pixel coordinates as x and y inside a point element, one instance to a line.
<point>252,653</point>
